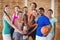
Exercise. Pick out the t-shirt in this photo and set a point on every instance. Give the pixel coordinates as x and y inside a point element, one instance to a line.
<point>53,20</point>
<point>42,21</point>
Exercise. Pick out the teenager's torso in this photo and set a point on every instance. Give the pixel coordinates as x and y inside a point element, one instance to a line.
<point>6,28</point>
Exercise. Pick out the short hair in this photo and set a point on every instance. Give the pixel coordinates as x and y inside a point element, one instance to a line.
<point>34,4</point>
<point>35,10</point>
<point>41,8</point>
<point>17,6</point>
<point>20,12</point>
<point>50,10</point>
<point>25,7</point>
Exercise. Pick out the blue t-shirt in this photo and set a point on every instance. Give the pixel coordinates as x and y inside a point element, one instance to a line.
<point>42,21</point>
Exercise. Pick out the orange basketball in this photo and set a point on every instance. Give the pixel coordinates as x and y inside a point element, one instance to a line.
<point>44,30</point>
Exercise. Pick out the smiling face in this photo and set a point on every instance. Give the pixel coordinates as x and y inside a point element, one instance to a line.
<point>25,10</point>
<point>34,12</point>
<point>20,14</point>
<point>41,12</point>
<point>32,6</point>
<point>16,9</point>
<point>7,9</point>
<point>49,13</point>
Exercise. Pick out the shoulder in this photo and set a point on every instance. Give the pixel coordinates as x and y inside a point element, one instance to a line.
<point>23,15</point>
<point>45,18</point>
<point>16,20</point>
<point>3,17</point>
<point>54,19</point>
<point>14,15</point>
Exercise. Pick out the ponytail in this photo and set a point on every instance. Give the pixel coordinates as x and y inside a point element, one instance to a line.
<point>7,15</point>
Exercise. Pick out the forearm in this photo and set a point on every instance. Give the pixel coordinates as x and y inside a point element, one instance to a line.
<point>54,29</point>
<point>10,23</point>
<point>50,28</point>
<point>32,25</point>
<point>32,30</point>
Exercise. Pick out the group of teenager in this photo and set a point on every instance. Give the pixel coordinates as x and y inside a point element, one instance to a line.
<point>24,24</point>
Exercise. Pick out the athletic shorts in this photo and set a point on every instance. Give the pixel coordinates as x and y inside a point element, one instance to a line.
<point>50,36</point>
<point>40,38</point>
<point>33,34</point>
<point>25,37</point>
<point>6,36</point>
<point>17,36</point>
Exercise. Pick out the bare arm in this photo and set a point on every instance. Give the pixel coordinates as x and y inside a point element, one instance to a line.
<point>7,19</point>
<point>50,28</point>
<point>31,26</point>
<point>32,30</point>
<point>54,28</point>
<point>16,24</point>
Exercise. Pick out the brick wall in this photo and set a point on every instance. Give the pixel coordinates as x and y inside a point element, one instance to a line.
<point>11,3</point>
<point>41,3</point>
<point>58,17</point>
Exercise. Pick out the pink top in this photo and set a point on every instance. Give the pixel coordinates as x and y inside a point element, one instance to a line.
<point>13,18</point>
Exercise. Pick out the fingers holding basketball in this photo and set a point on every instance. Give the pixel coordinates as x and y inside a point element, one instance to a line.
<point>44,30</point>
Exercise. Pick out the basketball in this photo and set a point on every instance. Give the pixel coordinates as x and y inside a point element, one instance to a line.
<point>44,30</point>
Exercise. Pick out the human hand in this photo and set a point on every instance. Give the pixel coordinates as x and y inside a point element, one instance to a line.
<point>24,32</point>
<point>53,38</point>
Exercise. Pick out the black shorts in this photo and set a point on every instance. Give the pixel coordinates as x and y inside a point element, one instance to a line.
<point>12,31</point>
<point>33,34</point>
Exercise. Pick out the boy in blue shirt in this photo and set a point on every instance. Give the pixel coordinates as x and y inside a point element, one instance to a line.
<point>42,21</point>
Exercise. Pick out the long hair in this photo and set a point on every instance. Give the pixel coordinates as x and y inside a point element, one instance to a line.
<point>6,12</point>
<point>7,15</point>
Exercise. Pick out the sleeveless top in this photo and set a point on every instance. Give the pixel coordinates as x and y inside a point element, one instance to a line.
<point>13,19</point>
<point>6,28</point>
